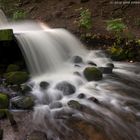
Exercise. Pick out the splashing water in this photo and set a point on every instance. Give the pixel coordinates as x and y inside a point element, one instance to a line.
<point>48,54</point>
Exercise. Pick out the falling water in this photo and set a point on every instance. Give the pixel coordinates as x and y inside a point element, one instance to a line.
<point>49,55</point>
<point>3,19</point>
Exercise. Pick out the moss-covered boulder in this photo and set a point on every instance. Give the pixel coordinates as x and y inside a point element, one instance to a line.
<point>4,101</point>
<point>6,35</point>
<point>4,104</point>
<point>17,77</point>
<point>23,102</point>
<point>92,74</point>
<point>12,68</point>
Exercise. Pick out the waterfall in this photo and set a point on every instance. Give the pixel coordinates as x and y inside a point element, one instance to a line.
<point>3,19</point>
<point>115,103</point>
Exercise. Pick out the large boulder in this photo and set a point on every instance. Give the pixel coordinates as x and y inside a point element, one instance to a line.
<point>17,77</point>
<point>44,85</point>
<point>92,74</point>
<point>12,68</point>
<point>6,35</point>
<point>22,102</point>
<point>66,87</point>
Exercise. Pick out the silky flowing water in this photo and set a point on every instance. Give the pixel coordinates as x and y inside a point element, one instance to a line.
<point>48,54</point>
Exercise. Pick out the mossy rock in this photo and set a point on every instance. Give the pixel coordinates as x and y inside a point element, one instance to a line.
<point>4,101</point>
<point>2,113</point>
<point>17,77</point>
<point>92,74</point>
<point>74,104</point>
<point>23,102</point>
<point>6,35</point>
<point>12,68</point>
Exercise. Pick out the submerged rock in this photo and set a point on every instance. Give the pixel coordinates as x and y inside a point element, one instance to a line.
<point>77,59</point>
<point>81,96</point>
<point>17,77</point>
<point>110,65</point>
<point>91,63</point>
<point>12,68</point>
<point>66,88</point>
<point>25,89</point>
<point>93,99</point>
<point>37,135</point>
<point>44,85</point>
<point>23,102</point>
<point>74,104</point>
<point>105,70</point>
<point>92,74</point>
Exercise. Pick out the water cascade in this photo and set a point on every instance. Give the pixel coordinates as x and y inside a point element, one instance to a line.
<point>112,104</point>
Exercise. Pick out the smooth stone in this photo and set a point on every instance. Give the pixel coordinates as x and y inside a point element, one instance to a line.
<point>77,59</point>
<point>91,63</point>
<point>25,89</point>
<point>92,74</point>
<point>81,96</point>
<point>110,65</point>
<point>93,99</point>
<point>77,73</point>
<point>44,85</point>
<point>74,104</point>
<point>66,87</point>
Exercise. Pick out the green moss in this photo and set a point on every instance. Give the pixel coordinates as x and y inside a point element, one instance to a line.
<point>2,113</point>
<point>17,77</point>
<point>6,35</point>
<point>92,74</point>
<point>12,68</point>
<point>4,101</point>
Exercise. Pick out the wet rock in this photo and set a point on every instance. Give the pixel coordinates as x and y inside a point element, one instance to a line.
<point>74,104</point>
<point>22,102</point>
<point>77,73</point>
<point>15,87</point>
<point>25,89</point>
<point>17,77</point>
<point>1,134</point>
<point>105,70</point>
<point>44,85</point>
<point>66,88</point>
<point>92,74</point>
<point>76,65</point>
<point>111,65</point>
<point>91,63</point>
<point>77,59</point>
<point>93,99</point>
<point>37,135</point>
<point>81,96</point>
<point>4,101</point>
<point>12,68</point>
<point>56,105</point>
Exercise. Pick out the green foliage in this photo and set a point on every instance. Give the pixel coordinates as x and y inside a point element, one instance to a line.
<point>85,20</point>
<point>19,15</point>
<point>117,27</point>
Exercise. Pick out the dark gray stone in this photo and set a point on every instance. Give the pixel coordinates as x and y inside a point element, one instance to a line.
<point>66,88</point>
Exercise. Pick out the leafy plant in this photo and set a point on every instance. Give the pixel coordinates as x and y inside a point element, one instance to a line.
<point>18,15</point>
<point>117,27</point>
<point>85,20</point>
